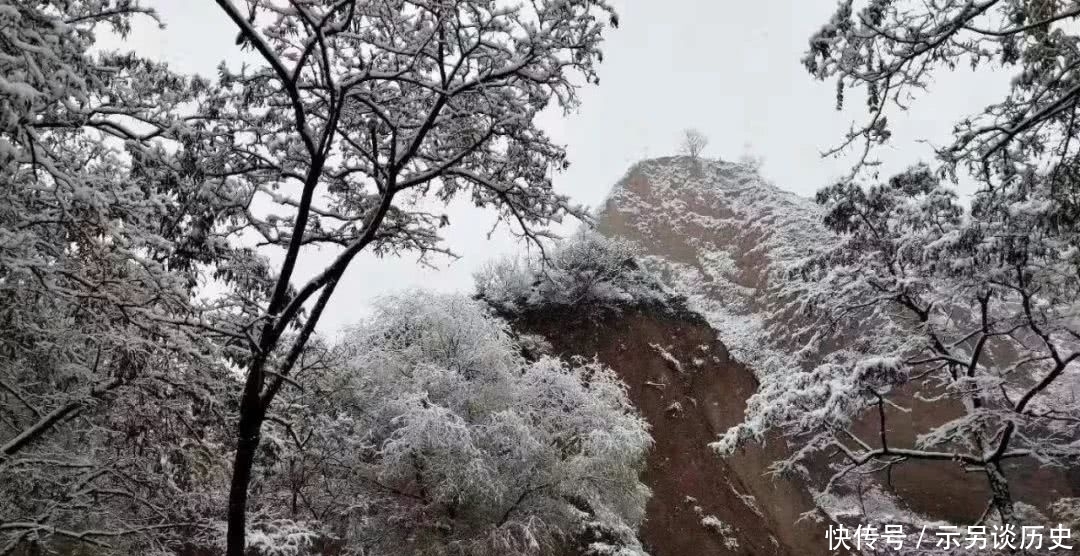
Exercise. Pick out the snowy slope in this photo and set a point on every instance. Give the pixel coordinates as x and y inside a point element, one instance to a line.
<point>722,232</point>
<point>722,236</point>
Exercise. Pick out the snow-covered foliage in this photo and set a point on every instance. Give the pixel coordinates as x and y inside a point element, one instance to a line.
<point>586,270</point>
<point>973,307</point>
<point>111,393</point>
<point>134,202</point>
<point>930,300</point>
<point>725,531</point>
<point>361,118</point>
<point>437,436</point>
<point>890,51</point>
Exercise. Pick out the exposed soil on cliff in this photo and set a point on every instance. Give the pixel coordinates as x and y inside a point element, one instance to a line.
<point>687,386</point>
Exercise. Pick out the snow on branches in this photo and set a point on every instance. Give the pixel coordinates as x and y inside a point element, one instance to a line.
<point>585,270</point>
<point>973,306</point>
<point>137,207</point>
<point>111,389</point>
<point>892,49</point>
<point>360,112</point>
<point>436,436</point>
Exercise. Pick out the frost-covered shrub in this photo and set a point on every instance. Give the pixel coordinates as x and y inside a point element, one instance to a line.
<point>586,270</point>
<point>1067,512</point>
<point>714,524</point>
<point>440,438</point>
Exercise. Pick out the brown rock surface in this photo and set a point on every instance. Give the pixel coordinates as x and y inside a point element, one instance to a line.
<point>710,392</point>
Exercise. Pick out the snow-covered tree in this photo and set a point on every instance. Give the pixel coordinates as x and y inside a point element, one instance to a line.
<point>967,306</point>
<point>359,111</point>
<point>891,50</point>
<point>693,142</point>
<point>84,231</point>
<point>135,201</point>
<point>111,386</point>
<point>964,304</point>
<point>587,271</point>
<point>428,432</point>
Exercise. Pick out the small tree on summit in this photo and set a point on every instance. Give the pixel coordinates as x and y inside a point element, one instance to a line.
<point>693,143</point>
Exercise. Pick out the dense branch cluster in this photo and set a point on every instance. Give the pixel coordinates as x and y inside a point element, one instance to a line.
<point>930,300</point>
<point>588,272</point>
<point>972,307</point>
<point>137,207</point>
<point>441,438</point>
<point>891,51</point>
<point>107,403</point>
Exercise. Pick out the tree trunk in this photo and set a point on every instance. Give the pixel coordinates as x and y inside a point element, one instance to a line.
<point>1001,497</point>
<point>252,414</point>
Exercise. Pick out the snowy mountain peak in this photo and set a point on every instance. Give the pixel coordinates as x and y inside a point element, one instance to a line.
<point>717,231</point>
<point>692,211</point>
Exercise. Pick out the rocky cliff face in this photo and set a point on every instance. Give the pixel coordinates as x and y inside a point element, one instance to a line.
<point>717,229</point>
<point>689,388</point>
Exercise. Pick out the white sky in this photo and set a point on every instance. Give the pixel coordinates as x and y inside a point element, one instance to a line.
<point>730,68</point>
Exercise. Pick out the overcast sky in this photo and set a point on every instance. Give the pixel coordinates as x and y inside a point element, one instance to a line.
<point>730,68</point>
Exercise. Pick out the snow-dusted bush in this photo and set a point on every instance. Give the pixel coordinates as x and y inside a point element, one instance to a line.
<point>439,437</point>
<point>588,269</point>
